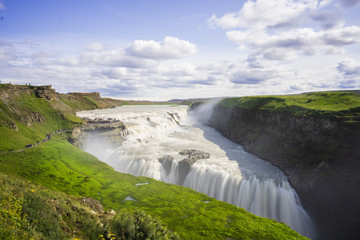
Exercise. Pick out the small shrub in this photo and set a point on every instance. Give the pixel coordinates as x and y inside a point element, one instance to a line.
<point>91,227</point>
<point>12,222</point>
<point>42,217</point>
<point>139,225</point>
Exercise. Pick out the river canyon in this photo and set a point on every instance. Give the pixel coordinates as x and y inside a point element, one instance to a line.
<point>169,144</point>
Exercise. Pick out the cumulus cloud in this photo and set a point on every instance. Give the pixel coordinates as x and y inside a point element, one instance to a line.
<point>251,76</point>
<point>254,62</point>
<point>265,14</point>
<point>115,73</point>
<point>139,54</point>
<point>115,58</point>
<point>349,84</point>
<point>328,19</point>
<point>287,44</point>
<point>170,47</point>
<point>349,67</point>
<point>275,29</point>
<point>180,69</point>
<point>350,70</point>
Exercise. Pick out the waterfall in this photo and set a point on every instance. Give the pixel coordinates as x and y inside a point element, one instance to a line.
<point>157,135</point>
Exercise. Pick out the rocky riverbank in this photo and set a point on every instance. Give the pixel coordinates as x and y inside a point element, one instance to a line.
<point>111,130</point>
<point>318,151</point>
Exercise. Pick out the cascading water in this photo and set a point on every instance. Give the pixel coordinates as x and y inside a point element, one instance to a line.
<point>158,133</point>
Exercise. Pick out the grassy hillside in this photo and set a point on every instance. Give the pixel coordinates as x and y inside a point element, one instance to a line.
<point>29,211</point>
<point>344,105</point>
<point>57,166</point>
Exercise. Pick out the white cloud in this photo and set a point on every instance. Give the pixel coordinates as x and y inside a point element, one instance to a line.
<point>95,46</point>
<point>115,73</point>
<point>7,53</point>
<point>328,19</point>
<point>179,69</point>
<point>252,76</point>
<point>262,14</point>
<point>341,37</point>
<point>286,45</point>
<point>170,47</point>
<point>139,54</point>
<point>349,67</point>
<point>283,29</point>
<point>115,58</point>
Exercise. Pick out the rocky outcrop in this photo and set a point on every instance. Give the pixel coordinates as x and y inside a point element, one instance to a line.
<point>111,131</point>
<point>46,92</point>
<point>183,166</point>
<point>319,152</point>
<point>166,161</point>
<point>8,91</point>
<point>193,155</point>
<point>93,204</point>
<point>94,95</point>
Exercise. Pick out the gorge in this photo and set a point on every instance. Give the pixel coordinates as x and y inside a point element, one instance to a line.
<point>164,143</point>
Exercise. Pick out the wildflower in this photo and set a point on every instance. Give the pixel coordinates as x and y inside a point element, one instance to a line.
<point>32,190</point>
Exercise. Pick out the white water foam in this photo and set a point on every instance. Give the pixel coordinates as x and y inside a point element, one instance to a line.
<point>230,174</point>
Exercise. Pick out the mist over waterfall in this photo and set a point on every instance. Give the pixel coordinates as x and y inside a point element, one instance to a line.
<point>168,144</point>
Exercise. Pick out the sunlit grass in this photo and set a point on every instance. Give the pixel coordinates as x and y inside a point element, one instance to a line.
<point>341,105</point>
<point>60,166</point>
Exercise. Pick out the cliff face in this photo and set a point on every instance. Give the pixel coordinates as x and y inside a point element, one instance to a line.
<point>318,151</point>
<point>113,132</point>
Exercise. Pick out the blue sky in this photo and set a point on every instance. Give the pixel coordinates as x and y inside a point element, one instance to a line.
<point>163,49</point>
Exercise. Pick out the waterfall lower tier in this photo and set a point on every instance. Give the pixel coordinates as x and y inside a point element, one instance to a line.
<point>211,164</point>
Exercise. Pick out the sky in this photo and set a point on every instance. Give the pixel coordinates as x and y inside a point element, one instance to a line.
<point>168,49</point>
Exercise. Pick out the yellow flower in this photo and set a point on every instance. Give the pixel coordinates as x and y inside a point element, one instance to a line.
<point>32,190</point>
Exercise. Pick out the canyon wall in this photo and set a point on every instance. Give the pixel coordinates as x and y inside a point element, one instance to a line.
<point>319,151</point>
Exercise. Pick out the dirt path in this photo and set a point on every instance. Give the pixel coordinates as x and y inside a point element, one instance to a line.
<point>48,138</point>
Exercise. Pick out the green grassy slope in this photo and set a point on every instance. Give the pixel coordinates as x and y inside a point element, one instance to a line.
<point>343,105</point>
<point>61,167</point>
<point>29,211</point>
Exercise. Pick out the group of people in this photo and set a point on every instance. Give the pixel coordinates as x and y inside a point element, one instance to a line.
<point>48,137</point>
